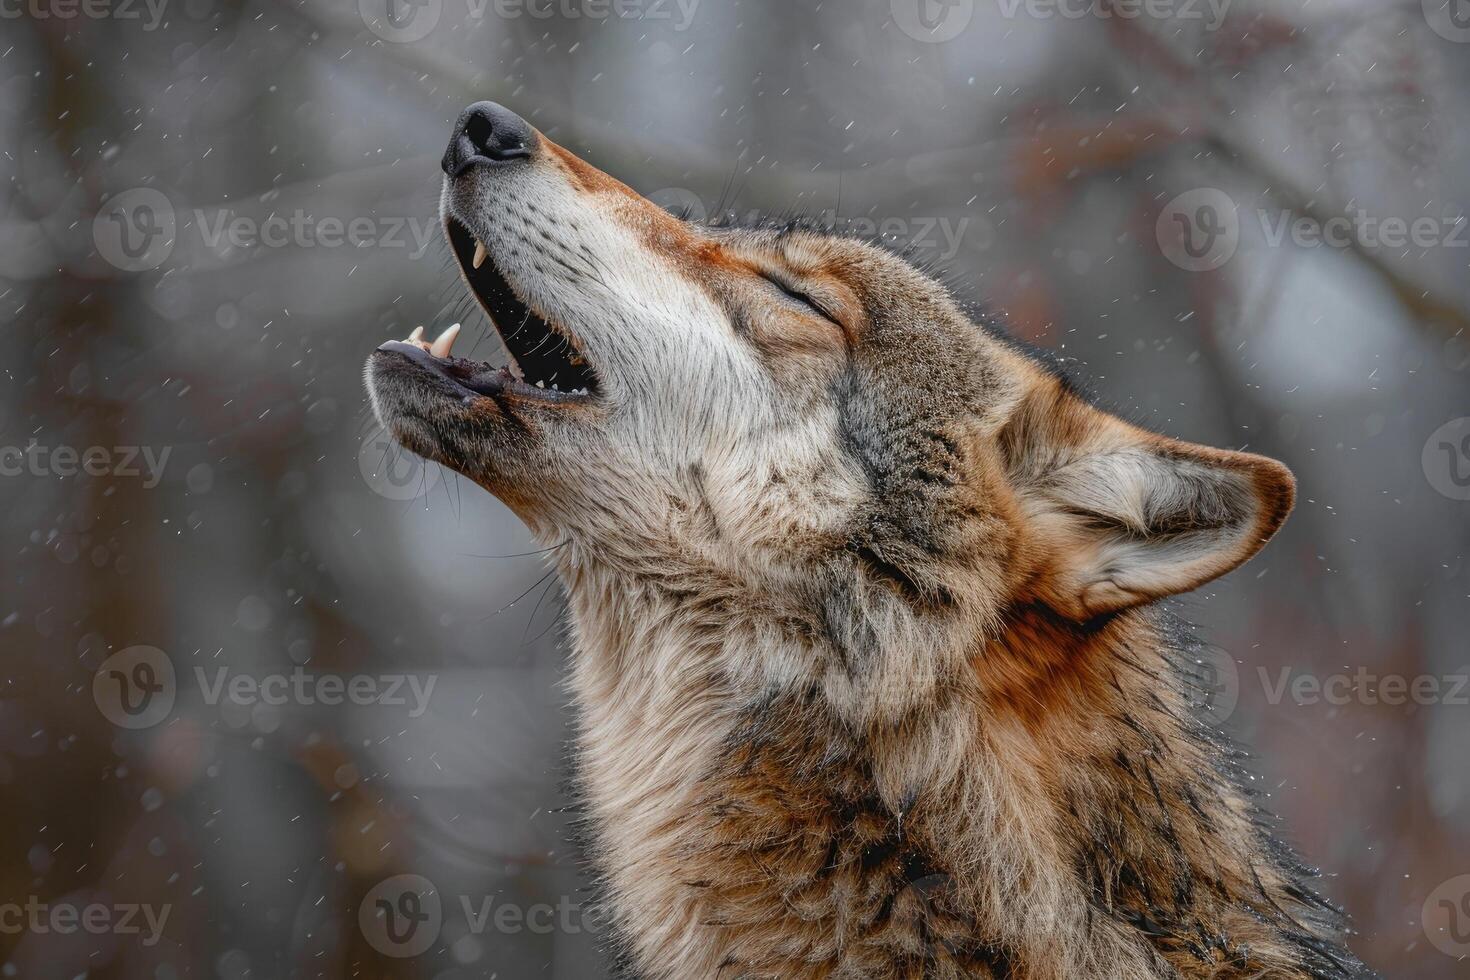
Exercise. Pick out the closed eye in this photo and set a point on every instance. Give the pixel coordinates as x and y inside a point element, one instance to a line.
<point>797,296</point>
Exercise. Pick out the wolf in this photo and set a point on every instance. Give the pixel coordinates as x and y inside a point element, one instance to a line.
<point>868,663</point>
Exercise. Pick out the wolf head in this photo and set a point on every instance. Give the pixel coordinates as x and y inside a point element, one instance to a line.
<point>778,407</point>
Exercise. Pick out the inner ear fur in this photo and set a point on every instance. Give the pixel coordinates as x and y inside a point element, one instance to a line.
<point>1117,516</point>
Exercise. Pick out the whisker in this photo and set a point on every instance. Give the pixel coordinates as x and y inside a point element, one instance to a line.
<point>523,554</point>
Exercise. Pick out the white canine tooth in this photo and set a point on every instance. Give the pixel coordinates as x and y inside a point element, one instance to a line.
<point>445,343</point>
<point>541,384</point>
<point>479,254</point>
<point>418,334</point>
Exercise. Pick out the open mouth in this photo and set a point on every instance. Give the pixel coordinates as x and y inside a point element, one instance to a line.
<point>543,356</point>
<point>545,363</point>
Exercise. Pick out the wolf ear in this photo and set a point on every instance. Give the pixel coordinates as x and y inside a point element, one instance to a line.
<point>1120,516</point>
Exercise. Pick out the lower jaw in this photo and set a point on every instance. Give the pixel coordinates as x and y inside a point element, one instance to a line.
<point>480,379</point>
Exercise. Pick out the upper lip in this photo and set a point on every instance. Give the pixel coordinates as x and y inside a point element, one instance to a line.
<point>543,354</point>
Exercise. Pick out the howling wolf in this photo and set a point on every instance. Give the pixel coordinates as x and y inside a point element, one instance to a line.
<point>868,676</point>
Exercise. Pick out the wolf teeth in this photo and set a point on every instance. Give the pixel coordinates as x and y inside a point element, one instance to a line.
<point>445,343</point>
<point>479,259</point>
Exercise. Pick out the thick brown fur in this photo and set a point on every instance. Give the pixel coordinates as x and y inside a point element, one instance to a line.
<point>870,675</point>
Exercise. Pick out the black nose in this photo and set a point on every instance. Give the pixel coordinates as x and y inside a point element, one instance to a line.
<point>487,133</point>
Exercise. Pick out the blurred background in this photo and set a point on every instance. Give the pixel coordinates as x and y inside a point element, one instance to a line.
<point>261,677</point>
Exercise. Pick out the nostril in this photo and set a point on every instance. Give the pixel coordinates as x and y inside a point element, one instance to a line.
<point>480,130</point>
<point>487,134</point>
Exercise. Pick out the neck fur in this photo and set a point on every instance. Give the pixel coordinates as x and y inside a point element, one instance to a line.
<point>1033,801</point>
